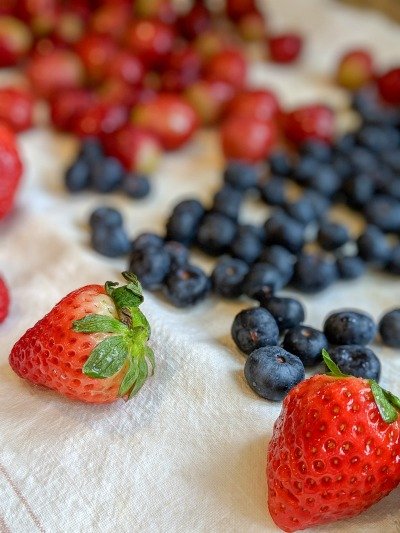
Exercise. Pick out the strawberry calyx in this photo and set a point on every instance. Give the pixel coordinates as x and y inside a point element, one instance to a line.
<point>388,404</point>
<point>127,344</point>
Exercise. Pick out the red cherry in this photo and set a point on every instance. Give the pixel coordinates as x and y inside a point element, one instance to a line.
<point>111,20</point>
<point>64,105</point>
<point>252,27</point>
<point>209,43</point>
<point>355,69</point>
<point>96,52</point>
<point>16,108</point>
<point>247,139</point>
<point>309,122</point>
<point>182,68</point>
<point>116,91</point>
<point>15,41</point>
<point>150,40</point>
<point>162,10</point>
<point>100,118</point>
<point>41,15</point>
<point>260,104</point>
<point>236,9</point>
<point>389,86</point>
<point>285,48</point>
<point>209,99</point>
<point>228,66</point>
<point>169,117</point>
<point>196,21</point>
<point>126,67</point>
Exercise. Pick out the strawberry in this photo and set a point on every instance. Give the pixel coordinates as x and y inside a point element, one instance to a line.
<point>10,169</point>
<point>355,69</point>
<point>315,121</point>
<point>389,86</point>
<point>16,108</point>
<point>4,300</point>
<point>92,346</point>
<point>335,450</point>
<point>66,104</point>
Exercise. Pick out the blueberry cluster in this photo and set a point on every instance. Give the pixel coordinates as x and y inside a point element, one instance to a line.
<point>93,170</point>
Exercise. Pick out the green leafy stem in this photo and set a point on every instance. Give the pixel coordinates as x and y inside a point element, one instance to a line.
<point>127,343</point>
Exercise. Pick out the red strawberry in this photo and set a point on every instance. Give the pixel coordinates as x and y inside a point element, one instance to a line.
<point>260,104</point>
<point>228,66</point>
<point>285,48</point>
<point>334,452</point>
<point>64,105</point>
<point>4,300</point>
<point>389,86</point>
<point>92,346</point>
<point>10,170</point>
<point>310,122</point>
<point>355,69</point>
<point>150,40</point>
<point>15,41</point>
<point>16,108</point>
<point>171,119</point>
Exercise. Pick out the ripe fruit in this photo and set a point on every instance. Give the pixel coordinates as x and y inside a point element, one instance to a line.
<point>99,118</point>
<point>389,86</point>
<point>259,104</point>
<point>65,104</point>
<point>16,108</point>
<point>126,67</point>
<point>4,300</point>
<point>182,69</point>
<point>150,40</point>
<point>254,328</point>
<point>15,41</point>
<point>355,69</point>
<point>228,66</point>
<point>195,21</point>
<point>247,139</point>
<point>10,170</point>
<point>285,48</point>
<point>349,327</point>
<point>92,346</point>
<point>110,19</point>
<point>209,99</point>
<point>172,120</point>
<point>309,122</point>
<point>97,54</point>
<point>334,451</point>
<point>252,27</point>
<point>235,9</point>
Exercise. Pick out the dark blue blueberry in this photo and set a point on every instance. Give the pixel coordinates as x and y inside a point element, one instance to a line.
<point>273,191</point>
<point>246,245</point>
<point>280,163</point>
<point>363,161</point>
<point>136,186</point>
<point>378,138</point>
<point>345,144</point>
<point>216,233</point>
<point>147,240</point>
<point>254,328</point>
<point>325,180</point>
<point>106,175</point>
<point>392,188</point>
<point>151,265</point>
<point>242,176</point>
<point>342,166</point>
<point>307,343</point>
<point>318,150</point>
<point>349,327</point>
<point>358,361</point>
<point>262,281</point>
<point>367,103</point>
<point>287,312</point>
<point>350,267</point>
<point>313,273</point>
<point>186,285</point>
<point>77,176</point>
<point>306,168</point>
<point>393,265</point>
<point>391,159</point>
<point>383,212</point>
<point>332,235</point>
<point>111,241</point>
<point>373,246</point>
<point>227,201</point>
<point>319,202</point>
<point>301,210</point>
<point>184,221</point>
<point>178,253</point>
<point>227,277</point>
<point>389,328</point>
<point>272,372</point>
<point>359,189</point>
<point>285,231</point>
<point>91,150</point>
<point>281,259</point>
<point>106,216</point>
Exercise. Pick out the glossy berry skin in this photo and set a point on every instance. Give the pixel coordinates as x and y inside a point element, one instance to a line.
<point>178,253</point>
<point>258,104</point>
<point>77,176</point>
<point>106,175</point>
<point>151,265</point>
<point>150,40</point>
<point>227,277</point>
<point>110,241</point>
<point>254,328</point>
<point>10,170</point>
<point>285,231</point>
<point>99,119</point>
<point>285,48</point>
<point>246,245</point>
<point>240,175</point>
<point>272,372</point>
<point>228,66</point>
<point>350,267</point>
<point>331,455</point>
<point>373,246</point>
<point>186,285</point>
<point>332,235</point>
<point>147,240</point>
<point>228,201</point>
<point>309,122</point>
<point>313,273</point>
<point>389,328</point>
<point>384,212</point>
<point>287,312</point>
<point>305,342</point>
<point>274,191</point>
<point>135,185</point>
<point>280,258</point>
<point>355,69</point>
<point>16,108</point>
<point>358,361</point>
<point>262,281</point>
<point>280,163</point>
<point>216,233</point>
<point>389,86</point>
<point>4,300</point>
<point>106,216</point>
<point>185,219</point>
<point>349,327</point>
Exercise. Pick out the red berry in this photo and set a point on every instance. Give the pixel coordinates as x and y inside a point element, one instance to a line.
<point>169,117</point>
<point>182,68</point>
<point>196,21</point>
<point>247,139</point>
<point>10,170</point>
<point>97,53</point>
<point>209,43</point>
<point>285,48</point>
<point>16,108</point>
<point>4,300</point>
<point>41,15</point>
<point>64,105</point>
<point>150,40</point>
<point>209,99</point>
<point>162,10</point>
<point>355,69</point>
<point>236,9</point>
<point>389,86</point>
<point>228,66</point>
<point>111,20</point>
<point>115,91</point>
<point>260,104</point>
<point>100,118</point>
<point>15,41</point>
<point>69,28</point>
<point>252,27</point>
<point>310,122</point>
<point>125,66</point>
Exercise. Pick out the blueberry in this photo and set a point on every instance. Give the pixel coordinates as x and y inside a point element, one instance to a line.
<point>378,138</point>
<point>359,189</point>
<point>383,212</point>
<point>91,150</point>
<point>301,210</point>
<point>280,163</point>
<point>350,267</point>
<point>273,192</point>
<point>241,175</point>
<point>307,343</point>
<point>246,245</point>
<point>392,188</point>
<point>313,273</point>
<point>363,161</point>
<point>227,201</point>
<point>254,328</point>
<point>325,180</point>
<point>389,328</point>
<point>111,241</point>
<point>285,231</point>
<point>373,246</point>
<point>106,175</point>
<point>318,150</point>
<point>77,176</point>
<point>147,240</point>
<point>319,202</point>
<point>287,312</point>
<point>306,168</point>
<point>345,144</point>
<point>391,159</point>
<point>136,186</point>
<point>393,265</point>
<point>227,277</point>
<point>151,265</point>
<point>186,285</point>
<point>262,281</point>
<point>358,361</point>
<point>178,253</point>
<point>342,166</point>
<point>216,233</point>
<point>106,216</point>
<point>184,221</point>
<point>349,327</point>
<point>272,372</point>
<point>281,259</point>
<point>332,235</point>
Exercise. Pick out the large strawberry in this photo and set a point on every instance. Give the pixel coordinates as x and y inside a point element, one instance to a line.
<point>10,169</point>
<point>92,346</point>
<point>335,450</point>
